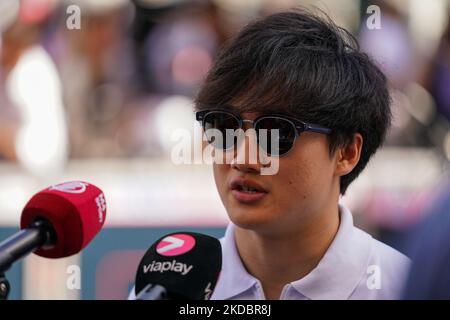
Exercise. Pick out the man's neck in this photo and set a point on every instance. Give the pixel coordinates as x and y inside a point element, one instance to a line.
<point>277,261</point>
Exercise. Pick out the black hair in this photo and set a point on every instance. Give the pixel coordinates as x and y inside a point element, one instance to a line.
<point>303,64</point>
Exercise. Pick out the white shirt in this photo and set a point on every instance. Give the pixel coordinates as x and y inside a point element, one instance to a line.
<point>355,266</point>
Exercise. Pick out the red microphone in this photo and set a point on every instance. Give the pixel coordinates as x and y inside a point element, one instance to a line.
<point>57,222</point>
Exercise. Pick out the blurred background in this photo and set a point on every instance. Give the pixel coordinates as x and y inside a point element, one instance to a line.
<point>92,90</point>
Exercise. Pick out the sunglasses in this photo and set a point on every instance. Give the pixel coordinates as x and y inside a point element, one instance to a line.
<point>288,129</point>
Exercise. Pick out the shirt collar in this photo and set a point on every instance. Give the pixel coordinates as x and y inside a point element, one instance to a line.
<point>343,265</point>
<point>234,278</point>
<point>335,277</point>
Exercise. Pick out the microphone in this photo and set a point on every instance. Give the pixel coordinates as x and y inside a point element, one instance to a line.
<point>179,266</point>
<point>57,222</point>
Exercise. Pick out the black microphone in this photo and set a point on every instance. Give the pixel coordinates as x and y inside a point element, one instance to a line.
<point>39,234</point>
<point>179,266</point>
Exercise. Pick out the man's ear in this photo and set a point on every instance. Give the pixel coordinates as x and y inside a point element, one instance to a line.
<point>348,156</point>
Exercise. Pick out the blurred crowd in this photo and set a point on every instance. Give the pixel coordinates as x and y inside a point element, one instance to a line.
<point>97,88</point>
<point>107,78</point>
<point>111,86</point>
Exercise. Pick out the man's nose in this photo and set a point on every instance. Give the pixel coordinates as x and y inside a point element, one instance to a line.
<point>246,156</point>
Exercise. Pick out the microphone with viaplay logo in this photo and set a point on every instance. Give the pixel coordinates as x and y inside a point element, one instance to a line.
<point>179,266</point>
<point>57,222</point>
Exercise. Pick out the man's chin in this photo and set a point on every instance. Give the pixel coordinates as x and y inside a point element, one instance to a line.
<point>251,218</point>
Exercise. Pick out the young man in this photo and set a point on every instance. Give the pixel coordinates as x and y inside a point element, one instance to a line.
<point>289,238</point>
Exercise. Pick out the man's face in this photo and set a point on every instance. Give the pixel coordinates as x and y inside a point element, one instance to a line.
<point>303,187</point>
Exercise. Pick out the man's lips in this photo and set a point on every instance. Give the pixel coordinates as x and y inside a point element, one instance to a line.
<point>246,190</point>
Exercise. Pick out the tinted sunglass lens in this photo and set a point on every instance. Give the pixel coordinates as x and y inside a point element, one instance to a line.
<point>218,126</point>
<point>277,130</point>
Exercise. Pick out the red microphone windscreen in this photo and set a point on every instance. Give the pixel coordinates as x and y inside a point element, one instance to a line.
<point>76,210</point>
